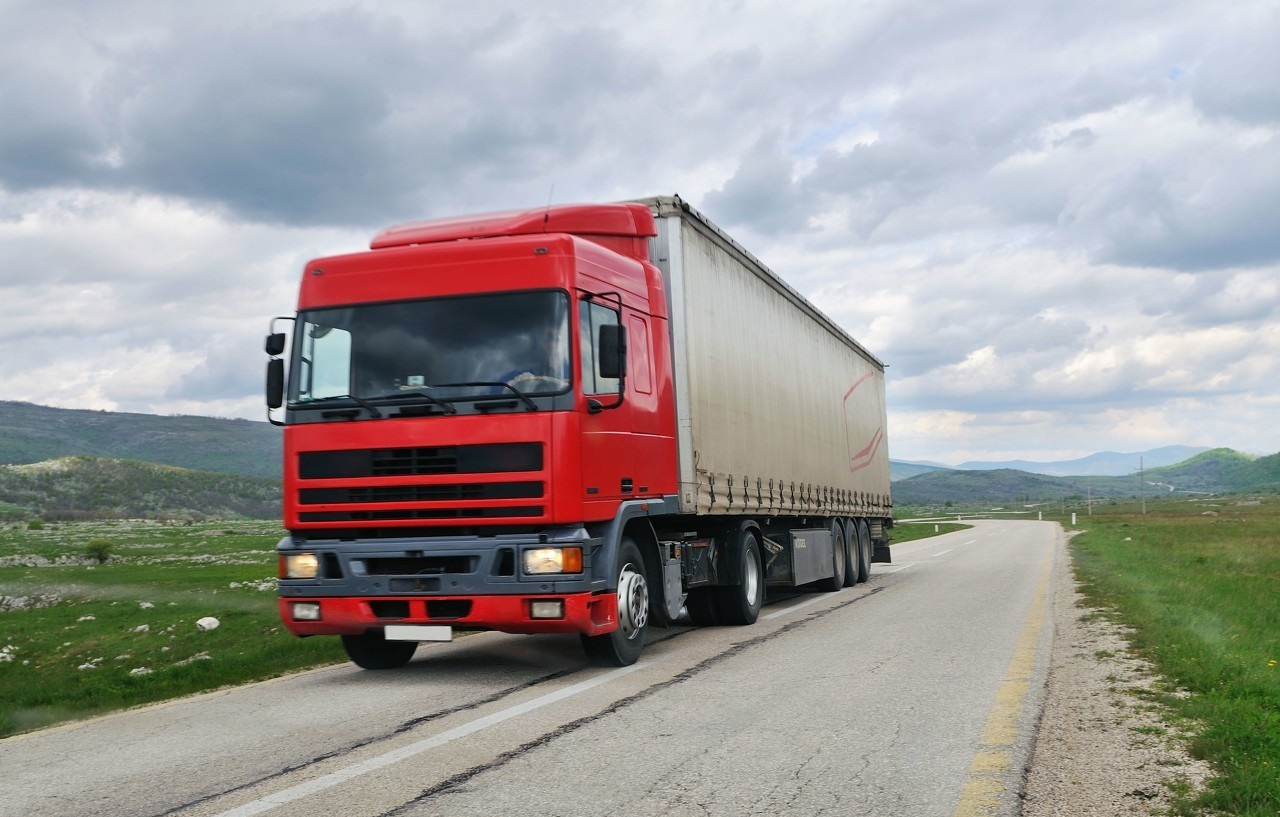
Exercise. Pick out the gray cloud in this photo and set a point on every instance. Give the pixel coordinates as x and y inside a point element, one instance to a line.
<point>1037,214</point>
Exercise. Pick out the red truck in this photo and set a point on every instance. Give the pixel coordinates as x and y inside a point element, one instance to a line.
<point>571,419</point>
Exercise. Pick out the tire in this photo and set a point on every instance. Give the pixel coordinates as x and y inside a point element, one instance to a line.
<point>836,582</point>
<point>852,553</point>
<point>623,646</point>
<point>741,603</point>
<point>864,551</point>
<point>372,651</point>
<point>702,607</point>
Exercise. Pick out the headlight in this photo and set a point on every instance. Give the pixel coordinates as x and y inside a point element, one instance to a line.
<point>299,566</point>
<point>553,560</point>
<point>306,611</point>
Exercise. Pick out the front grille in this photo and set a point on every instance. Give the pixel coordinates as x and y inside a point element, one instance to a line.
<point>495,458</point>
<point>422,513</point>
<point>420,493</point>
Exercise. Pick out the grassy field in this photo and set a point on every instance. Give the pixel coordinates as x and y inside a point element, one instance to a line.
<point>79,638</point>
<point>1199,584</point>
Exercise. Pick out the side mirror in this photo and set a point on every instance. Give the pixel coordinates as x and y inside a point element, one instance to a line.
<point>275,382</point>
<point>275,343</point>
<point>612,358</point>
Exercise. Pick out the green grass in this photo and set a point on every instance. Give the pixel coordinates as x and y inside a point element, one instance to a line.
<point>911,531</point>
<point>1199,583</point>
<point>83,638</point>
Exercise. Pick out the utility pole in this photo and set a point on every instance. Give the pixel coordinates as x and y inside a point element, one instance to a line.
<point>1142,484</point>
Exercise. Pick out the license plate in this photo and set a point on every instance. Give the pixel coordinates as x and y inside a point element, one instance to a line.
<point>418,632</point>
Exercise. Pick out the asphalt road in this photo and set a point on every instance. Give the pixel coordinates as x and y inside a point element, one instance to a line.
<point>916,694</point>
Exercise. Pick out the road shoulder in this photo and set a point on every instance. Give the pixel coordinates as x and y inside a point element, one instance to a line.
<point>1104,746</point>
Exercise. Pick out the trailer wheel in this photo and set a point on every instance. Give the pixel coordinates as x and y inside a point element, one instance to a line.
<point>622,647</point>
<point>864,551</point>
<point>852,553</point>
<point>372,650</point>
<point>836,580</point>
<point>740,603</point>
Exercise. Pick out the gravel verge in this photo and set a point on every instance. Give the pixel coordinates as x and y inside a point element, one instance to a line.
<point>1105,746</point>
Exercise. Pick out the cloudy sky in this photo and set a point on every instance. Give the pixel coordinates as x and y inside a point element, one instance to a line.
<point>1058,222</point>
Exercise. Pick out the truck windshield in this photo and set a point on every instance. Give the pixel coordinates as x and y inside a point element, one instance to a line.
<point>440,349</point>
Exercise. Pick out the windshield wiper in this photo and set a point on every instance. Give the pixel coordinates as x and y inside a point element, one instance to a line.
<point>360,401</point>
<point>449,408</point>
<point>528,401</point>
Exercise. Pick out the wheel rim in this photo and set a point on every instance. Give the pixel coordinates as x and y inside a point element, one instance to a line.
<point>751,580</point>
<point>633,601</point>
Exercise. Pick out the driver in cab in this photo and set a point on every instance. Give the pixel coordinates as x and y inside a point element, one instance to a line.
<point>547,363</point>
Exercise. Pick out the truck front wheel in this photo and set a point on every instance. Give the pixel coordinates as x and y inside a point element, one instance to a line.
<point>372,651</point>
<point>622,647</point>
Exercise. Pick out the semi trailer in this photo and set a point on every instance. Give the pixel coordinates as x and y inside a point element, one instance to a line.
<point>585,419</point>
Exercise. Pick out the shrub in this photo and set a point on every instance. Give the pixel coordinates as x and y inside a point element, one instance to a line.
<point>99,550</point>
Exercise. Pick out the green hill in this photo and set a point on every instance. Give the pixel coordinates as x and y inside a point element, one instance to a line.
<point>31,433</point>
<point>95,488</point>
<point>1217,471</point>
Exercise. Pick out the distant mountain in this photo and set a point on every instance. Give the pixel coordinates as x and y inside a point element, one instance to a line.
<point>1218,470</point>
<point>96,488</point>
<point>31,433</point>
<point>902,469</point>
<point>1105,463</point>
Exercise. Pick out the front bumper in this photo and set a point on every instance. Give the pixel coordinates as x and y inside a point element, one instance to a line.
<point>586,613</point>
<point>468,582</point>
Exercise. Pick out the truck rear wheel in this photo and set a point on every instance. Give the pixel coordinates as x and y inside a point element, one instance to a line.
<point>740,603</point>
<point>622,647</point>
<point>703,607</point>
<point>864,550</point>
<point>838,567</point>
<point>372,650</point>
<point>852,551</point>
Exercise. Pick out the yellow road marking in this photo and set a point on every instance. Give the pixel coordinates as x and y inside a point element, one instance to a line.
<point>980,796</point>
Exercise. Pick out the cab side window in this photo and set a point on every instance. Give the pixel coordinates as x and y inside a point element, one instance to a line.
<point>591,317</point>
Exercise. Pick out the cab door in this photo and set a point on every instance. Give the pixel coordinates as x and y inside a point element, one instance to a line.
<point>609,455</point>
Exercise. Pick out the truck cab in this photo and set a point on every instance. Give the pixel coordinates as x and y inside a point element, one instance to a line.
<point>465,407</point>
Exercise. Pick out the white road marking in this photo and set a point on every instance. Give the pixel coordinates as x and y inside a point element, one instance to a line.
<point>795,607</point>
<point>941,552</point>
<point>341,776</point>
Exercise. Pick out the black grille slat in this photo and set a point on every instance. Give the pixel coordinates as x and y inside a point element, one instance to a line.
<point>448,608</point>
<point>421,513</point>
<point>420,493</point>
<point>389,609</point>
<point>490,458</point>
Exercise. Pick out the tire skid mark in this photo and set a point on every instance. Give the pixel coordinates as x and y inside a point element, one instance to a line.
<point>406,726</point>
<point>455,782</point>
